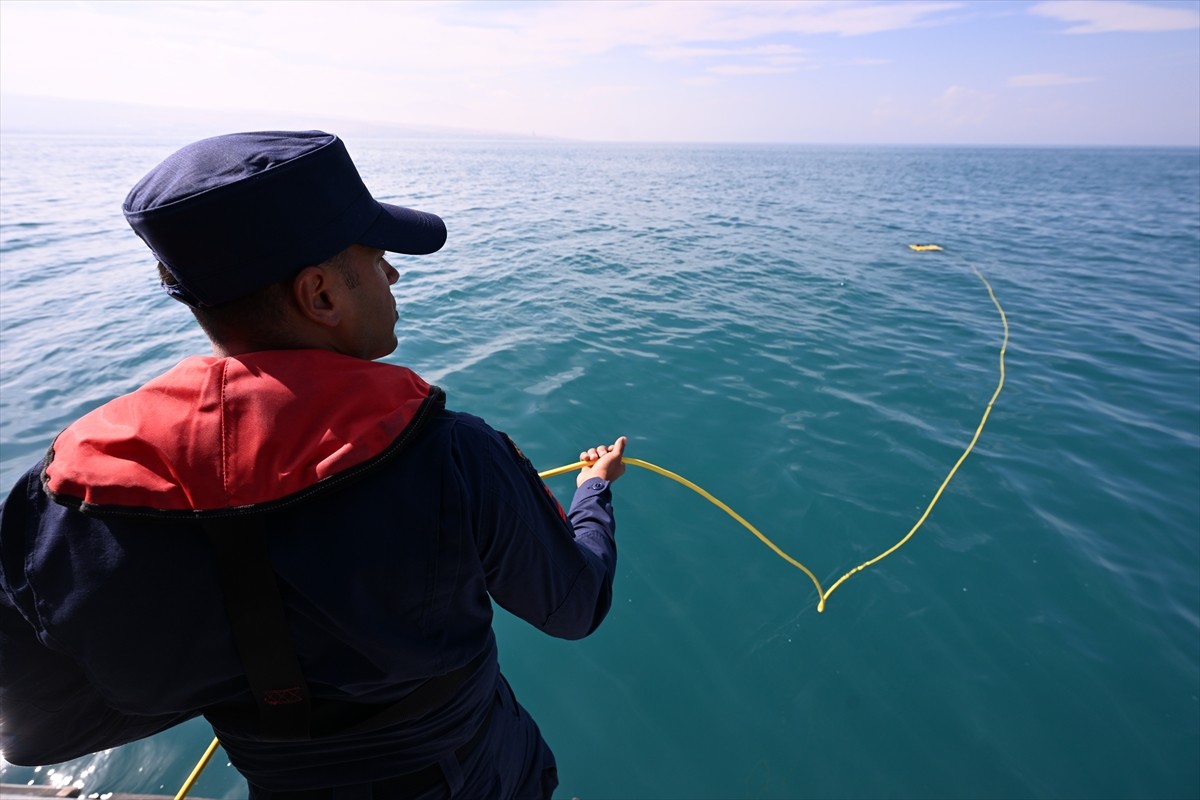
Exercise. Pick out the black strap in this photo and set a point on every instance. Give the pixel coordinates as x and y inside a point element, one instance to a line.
<point>341,717</point>
<point>260,629</point>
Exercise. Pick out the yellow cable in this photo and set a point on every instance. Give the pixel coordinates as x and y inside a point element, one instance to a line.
<point>200,765</point>
<point>637,462</point>
<point>986,413</point>
<point>822,595</point>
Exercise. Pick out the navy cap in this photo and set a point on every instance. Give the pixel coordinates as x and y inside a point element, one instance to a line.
<point>232,214</point>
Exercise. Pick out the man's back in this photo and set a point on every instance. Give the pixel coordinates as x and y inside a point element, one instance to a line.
<point>384,564</point>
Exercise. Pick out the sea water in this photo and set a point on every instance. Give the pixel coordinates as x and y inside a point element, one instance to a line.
<point>753,319</point>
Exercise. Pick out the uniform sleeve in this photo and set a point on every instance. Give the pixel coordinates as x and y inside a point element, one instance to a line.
<point>49,711</point>
<point>552,569</point>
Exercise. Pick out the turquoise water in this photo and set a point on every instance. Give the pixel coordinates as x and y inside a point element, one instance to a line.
<point>752,318</point>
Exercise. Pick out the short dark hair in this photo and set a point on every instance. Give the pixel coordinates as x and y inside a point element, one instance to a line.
<point>259,318</point>
<point>256,317</point>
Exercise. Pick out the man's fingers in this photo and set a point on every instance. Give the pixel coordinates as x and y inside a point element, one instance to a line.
<point>601,450</point>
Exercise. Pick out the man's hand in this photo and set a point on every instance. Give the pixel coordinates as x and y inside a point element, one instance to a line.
<point>604,461</point>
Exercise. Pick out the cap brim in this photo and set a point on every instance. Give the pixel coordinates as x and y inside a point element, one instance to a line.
<point>405,230</point>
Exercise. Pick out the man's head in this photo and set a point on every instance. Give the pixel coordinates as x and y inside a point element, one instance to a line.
<point>247,215</point>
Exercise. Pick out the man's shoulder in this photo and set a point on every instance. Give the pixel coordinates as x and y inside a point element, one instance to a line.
<point>469,434</point>
<point>463,428</point>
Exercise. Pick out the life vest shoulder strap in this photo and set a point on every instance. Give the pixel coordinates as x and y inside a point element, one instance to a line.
<point>260,632</point>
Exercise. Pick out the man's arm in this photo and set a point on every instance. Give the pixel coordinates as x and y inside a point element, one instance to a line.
<point>552,569</point>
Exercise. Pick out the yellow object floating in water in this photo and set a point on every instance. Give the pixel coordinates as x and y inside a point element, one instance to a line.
<point>921,248</point>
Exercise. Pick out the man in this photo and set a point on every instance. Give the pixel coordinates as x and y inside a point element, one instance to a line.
<point>288,537</point>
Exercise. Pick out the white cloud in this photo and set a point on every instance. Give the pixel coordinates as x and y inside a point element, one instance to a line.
<point>1119,16</point>
<point>592,26</point>
<point>663,69</point>
<point>749,69</point>
<point>430,62</point>
<point>766,59</point>
<point>1046,79</point>
<point>252,52</point>
<point>688,52</point>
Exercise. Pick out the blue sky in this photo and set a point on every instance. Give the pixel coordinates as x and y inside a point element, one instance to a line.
<point>848,71</point>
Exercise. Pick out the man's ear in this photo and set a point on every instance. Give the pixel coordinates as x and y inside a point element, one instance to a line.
<point>315,290</point>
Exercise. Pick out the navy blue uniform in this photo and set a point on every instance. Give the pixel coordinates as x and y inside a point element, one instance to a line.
<point>112,621</point>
